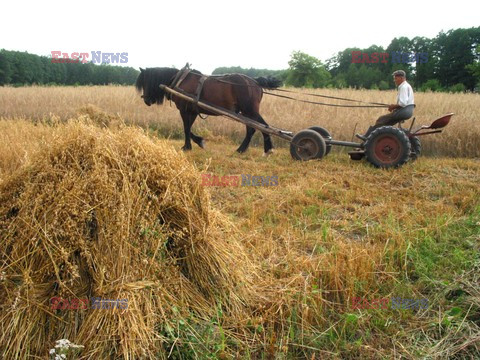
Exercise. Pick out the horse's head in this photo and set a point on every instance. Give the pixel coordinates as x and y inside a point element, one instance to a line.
<point>148,83</point>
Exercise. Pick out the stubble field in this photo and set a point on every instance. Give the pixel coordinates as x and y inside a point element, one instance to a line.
<point>329,232</point>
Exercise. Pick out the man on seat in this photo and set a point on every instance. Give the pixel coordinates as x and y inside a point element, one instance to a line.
<point>402,110</point>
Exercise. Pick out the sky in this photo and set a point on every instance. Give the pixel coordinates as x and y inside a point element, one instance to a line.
<point>209,34</point>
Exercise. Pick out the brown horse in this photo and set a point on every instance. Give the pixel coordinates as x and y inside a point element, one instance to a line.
<point>235,92</point>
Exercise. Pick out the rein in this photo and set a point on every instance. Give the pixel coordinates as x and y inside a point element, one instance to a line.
<point>377,105</point>
<point>370,104</point>
<point>330,97</point>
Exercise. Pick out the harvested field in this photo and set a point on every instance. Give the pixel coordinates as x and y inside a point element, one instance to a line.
<point>96,207</point>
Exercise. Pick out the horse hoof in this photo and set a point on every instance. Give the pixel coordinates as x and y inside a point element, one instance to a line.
<point>186,149</point>
<point>202,144</point>
<point>268,153</point>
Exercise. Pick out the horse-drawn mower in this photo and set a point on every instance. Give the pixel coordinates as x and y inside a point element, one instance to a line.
<point>385,147</point>
<point>238,97</point>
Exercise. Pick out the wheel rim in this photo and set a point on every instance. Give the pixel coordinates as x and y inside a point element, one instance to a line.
<point>307,148</point>
<point>326,136</point>
<point>387,149</point>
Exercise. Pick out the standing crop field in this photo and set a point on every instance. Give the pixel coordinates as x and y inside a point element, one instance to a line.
<point>460,140</point>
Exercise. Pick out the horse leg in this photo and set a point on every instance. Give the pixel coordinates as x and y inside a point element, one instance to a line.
<point>248,103</point>
<point>246,141</point>
<point>267,140</point>
<point>188,119</point>
<point>198,140</point>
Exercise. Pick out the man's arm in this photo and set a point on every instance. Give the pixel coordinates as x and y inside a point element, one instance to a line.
<point>401,99</point>
<point>393,107</point>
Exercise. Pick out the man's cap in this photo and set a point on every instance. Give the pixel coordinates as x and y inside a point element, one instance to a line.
<point>399,73</point>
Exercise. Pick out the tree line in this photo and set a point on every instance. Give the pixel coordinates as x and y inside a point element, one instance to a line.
<point>21,68</point>
<point>448,62</point>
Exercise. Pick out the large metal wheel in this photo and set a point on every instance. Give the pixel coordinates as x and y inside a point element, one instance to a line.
<point>326,136</point>
<point>387,147</point>
<point>307,145</point>
<point>415,146</point>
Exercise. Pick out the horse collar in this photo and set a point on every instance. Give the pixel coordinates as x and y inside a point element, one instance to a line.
<point>181,75</point>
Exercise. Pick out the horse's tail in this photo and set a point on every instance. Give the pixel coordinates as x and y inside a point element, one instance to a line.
<point>268,82</point>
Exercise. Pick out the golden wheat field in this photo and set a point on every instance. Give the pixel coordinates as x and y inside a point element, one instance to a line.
<point>460,139</point>
<point>95,200</point>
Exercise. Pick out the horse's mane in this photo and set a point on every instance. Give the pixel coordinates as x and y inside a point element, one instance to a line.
<point>151,78</point>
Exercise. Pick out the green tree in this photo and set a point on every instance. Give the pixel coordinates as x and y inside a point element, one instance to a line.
<point>457,49</point>
<point>432,85</point>
<point>367,74</point>
<point>428,59</point>
<point>340,63</point>
<point>5,69</point>
<point>252,72</point>
<point>340,81</point>
<point>383,85</point>
<point>457,88</point>
<point>401,45</point>
<point>24,69</point>
<point>475,67</point>
<point>306,71</point>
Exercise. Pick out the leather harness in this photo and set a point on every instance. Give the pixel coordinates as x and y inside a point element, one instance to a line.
<point>180,77</point>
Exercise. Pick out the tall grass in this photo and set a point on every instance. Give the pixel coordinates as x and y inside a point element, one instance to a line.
<point>460,139</point>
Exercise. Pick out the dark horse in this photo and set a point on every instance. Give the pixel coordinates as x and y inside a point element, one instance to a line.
<point>235,92</point>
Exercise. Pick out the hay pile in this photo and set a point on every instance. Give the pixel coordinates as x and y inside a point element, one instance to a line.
<point>113,215</point>
<point>94,115</point>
